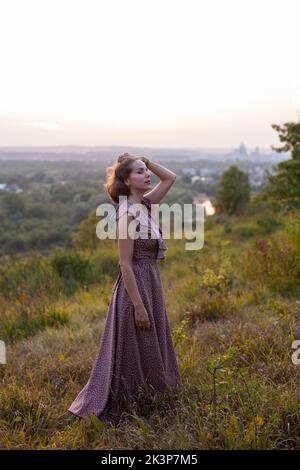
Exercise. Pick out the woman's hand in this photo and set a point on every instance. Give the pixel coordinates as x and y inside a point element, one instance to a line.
<point>145,160</point>
<point>141,316</point>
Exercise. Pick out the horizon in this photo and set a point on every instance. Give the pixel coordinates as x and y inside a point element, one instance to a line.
<point>157,148</point>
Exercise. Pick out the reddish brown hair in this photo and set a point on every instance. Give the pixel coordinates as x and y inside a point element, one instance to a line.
<point>115,177</point>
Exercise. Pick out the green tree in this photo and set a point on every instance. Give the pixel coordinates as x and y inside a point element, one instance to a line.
<point>233,191</point>
<point>85,237</point>
<point>14,204</point>
<point>283,188</point>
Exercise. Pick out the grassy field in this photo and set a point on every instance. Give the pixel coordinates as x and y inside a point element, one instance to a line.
<point>234,311</point>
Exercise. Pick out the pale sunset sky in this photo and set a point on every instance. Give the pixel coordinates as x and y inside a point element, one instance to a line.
<point>163,73</point>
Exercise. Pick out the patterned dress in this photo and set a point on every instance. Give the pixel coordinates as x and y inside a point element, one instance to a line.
<point>131,358</point>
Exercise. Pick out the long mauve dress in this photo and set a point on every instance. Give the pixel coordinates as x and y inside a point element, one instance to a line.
<point>130,357</point>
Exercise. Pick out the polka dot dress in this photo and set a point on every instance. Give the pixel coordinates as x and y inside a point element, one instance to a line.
<point>128,356</point>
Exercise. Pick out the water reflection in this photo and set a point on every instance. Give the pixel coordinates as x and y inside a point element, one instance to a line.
<point>206,203</point>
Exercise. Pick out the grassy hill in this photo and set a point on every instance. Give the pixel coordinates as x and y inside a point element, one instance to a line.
<point>234,311</point>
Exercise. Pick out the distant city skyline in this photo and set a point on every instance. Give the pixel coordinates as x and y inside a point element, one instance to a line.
<point>166,74</point>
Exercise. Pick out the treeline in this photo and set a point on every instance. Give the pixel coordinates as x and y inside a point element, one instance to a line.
<point>59,199</point>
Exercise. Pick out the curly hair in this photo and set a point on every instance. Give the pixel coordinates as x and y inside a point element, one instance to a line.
<point>115,177</point>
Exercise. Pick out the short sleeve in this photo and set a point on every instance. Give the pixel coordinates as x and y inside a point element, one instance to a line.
<point>152,208</point>
<point>147,201</point>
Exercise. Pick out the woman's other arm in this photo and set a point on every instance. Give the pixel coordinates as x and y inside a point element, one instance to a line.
<point>125,253</point>
<point>167,179</point>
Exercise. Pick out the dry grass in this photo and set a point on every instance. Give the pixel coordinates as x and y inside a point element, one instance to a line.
<point>233,326</point>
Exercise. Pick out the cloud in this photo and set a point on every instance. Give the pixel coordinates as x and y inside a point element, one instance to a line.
<point>49,126</point>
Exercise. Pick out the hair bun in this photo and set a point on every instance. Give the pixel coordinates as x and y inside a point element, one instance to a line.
<point>122,157</point>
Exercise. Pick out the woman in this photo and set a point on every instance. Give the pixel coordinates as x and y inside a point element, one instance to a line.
<point>136,350</point>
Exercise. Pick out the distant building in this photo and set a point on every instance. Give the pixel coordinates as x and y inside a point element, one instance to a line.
<point>208,171</point>
<point>195,178</point>
<point>241,150</point>
<point>207,179</point>
<point>10,188</point>
<point>256,176</point>
<point>189,171</point>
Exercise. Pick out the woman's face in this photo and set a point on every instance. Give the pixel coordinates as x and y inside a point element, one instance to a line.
<point>139,177</point>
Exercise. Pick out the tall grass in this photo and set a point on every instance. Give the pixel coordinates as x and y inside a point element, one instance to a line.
<point>234,312</point>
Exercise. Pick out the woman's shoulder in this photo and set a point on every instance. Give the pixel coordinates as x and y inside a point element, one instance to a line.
<point>147,201</point>
<point>126,206</point>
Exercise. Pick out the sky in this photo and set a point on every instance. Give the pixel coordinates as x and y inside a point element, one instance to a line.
<point>161,73</point>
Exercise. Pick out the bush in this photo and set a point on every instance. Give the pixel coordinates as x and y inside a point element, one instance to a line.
<point>227,227</point>
<point>70,265</point>
<point>267,225</point>
<point>274,263</point>
<point>31,273</point>
<point>247,230</point>
<point>208,297</point>
<point>29,322</point>
<point>210,307</point>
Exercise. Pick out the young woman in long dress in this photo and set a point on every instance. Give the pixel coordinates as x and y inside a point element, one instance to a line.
<point>136,350</point>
